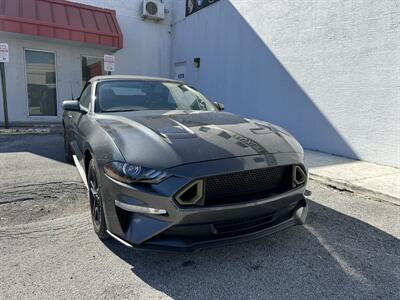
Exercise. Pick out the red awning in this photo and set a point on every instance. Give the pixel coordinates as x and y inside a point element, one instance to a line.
<point>60,19</point>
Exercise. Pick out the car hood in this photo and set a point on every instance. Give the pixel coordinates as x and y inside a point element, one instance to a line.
<point>165,139</point>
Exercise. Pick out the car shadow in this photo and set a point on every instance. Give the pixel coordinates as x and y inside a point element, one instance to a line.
<point>332,256</point>
<point>50,146</point>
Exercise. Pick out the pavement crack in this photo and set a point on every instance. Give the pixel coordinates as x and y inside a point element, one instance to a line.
<point>41,184</point>
<point>340,189</point>
<point>17,200</point>
<point>41,192</point>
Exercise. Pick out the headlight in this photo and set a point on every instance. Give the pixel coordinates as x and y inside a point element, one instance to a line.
<point>129,173</point>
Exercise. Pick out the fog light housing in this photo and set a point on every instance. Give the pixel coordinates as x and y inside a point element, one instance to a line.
<point>191,194</point>
<point>299,177</point>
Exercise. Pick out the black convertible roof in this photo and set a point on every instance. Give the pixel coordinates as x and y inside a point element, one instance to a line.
<point>132,77</point>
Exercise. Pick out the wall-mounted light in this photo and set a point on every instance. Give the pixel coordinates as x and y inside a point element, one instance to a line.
<point>196,62</point>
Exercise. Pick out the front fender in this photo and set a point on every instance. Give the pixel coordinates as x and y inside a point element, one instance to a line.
<point>102,149</point>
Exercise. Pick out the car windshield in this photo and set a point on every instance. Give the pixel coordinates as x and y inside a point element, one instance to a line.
<point>131,95</point>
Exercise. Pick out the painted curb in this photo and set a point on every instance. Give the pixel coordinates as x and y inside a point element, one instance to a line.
<point>30,131</point>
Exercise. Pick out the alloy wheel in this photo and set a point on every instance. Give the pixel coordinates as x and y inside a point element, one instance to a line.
<point>95,198</point>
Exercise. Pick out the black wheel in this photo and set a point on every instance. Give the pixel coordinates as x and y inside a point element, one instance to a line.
<point>67,149</point>
<point>96,203</point>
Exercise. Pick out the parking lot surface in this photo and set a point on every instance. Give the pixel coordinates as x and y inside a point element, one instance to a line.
<point>348,249</point>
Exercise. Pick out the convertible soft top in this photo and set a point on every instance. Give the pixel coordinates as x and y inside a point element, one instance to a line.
<point>132,77</point>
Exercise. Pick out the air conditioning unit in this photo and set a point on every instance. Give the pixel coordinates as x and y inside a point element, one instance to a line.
<point>153,9</point>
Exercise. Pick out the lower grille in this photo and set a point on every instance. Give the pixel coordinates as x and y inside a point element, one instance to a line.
<point>247,185</point>
<point>247,224</point>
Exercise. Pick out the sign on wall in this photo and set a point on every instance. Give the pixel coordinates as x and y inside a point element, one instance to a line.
<point>180,70</point>
<point>109,63</point>
<point>4,53</point>
<point>193,6</point>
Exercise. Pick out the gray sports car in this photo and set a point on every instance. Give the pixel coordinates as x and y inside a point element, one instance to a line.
<point>167,169</point>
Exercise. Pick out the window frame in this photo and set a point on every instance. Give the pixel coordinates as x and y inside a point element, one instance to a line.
<point>88,85</point>
<point>58,104</point>
<point>90,56</point>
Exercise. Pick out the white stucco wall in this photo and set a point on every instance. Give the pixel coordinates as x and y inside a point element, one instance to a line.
<point>68,69</point>
<point>147,44</point>
<point>146,51</point>
<point>328,71</point>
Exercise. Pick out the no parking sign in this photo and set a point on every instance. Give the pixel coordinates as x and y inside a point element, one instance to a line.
<point>109,63</point>
<point>4,53</point>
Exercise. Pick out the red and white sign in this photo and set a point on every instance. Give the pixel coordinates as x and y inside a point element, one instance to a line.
<point>4,53</point>
<point>109,63</point>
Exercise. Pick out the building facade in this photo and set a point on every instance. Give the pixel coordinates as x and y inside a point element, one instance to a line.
<point>328,71</point>
<point>56,45</point>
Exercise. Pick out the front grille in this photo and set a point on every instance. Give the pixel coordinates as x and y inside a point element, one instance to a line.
<point>247,185</point>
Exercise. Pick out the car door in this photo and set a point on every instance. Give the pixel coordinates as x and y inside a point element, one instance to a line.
<point>78,117</point>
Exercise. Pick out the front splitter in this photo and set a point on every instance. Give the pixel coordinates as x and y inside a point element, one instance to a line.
<point>165,244</point>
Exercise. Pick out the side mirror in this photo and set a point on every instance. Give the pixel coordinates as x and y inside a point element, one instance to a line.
<point>71,105</point>
<point>219,106</point>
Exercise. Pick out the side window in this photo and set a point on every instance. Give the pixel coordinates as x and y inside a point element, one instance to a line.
<point>85,98</point>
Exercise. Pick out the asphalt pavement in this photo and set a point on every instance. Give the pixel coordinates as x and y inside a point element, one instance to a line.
<point>349,248</point>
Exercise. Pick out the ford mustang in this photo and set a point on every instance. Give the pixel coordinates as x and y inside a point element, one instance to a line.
<point>168,169</point>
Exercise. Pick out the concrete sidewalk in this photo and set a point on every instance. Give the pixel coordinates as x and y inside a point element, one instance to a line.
<point>370,179</point>
<point>32,130</point>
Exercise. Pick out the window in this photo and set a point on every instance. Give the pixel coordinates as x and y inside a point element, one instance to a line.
<point>50,77</point>
<point>128,95</point>
<point>85,98</point>
<point>41,83</point>
<point>91,67</point>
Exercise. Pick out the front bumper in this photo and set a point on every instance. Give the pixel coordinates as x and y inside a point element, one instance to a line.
<point>192,228</point>
<point>188,241</point>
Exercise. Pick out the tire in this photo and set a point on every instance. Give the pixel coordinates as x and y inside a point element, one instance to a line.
<point>96,202</point>
<point>67,150</point>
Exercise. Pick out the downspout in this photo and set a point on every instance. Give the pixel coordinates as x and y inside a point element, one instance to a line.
<point>4,92</point>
